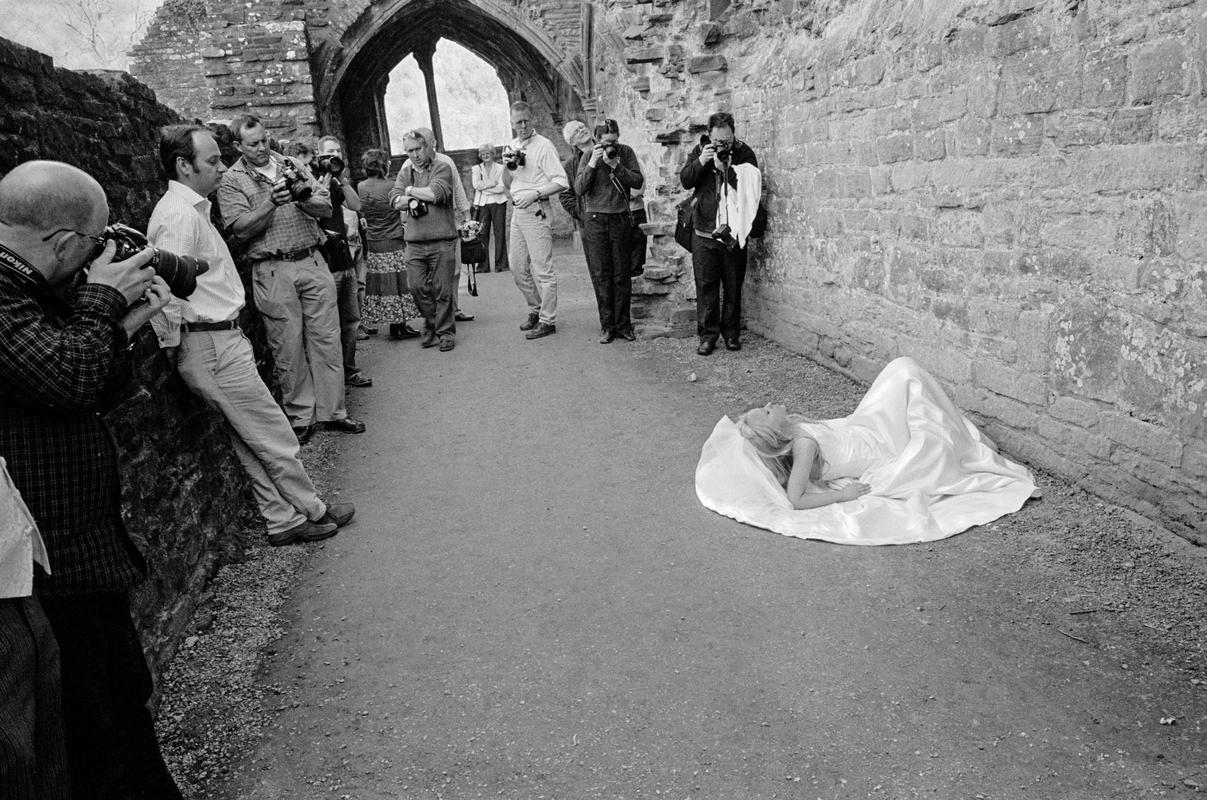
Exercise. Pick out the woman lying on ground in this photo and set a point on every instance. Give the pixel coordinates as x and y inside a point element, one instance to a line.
<point>906,465</point>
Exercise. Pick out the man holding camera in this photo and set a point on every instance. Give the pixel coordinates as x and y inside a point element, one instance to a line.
<point>423,190</point>
<point>718,262</point>
<point>332,174</point>
<point>61,365</point>
<point>272,205</point>
<point>604,181</point>
<point>533,174</point>
<point>201,336</point>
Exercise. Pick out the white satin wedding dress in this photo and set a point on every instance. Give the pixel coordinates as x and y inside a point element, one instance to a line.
<point>932,473</point>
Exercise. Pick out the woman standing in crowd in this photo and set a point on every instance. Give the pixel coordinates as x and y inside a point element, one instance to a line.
<point>490,207</point>
<point>387,297</point>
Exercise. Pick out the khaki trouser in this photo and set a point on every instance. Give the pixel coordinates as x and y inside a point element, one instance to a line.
<point>220,368</point>
<point>530,252</point>
<point>297,301</point>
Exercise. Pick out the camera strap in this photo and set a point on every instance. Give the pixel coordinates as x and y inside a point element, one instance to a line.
<point>20,267</point>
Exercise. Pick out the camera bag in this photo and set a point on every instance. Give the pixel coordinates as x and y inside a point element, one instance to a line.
<point>684,229</point>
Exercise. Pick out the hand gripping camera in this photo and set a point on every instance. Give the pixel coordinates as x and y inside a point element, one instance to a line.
<point>299,188</point>
<point>612,150</point>
<point>416,208</point>
<point>513,159</point>
<point>723,149</point>
<point>179,272</point>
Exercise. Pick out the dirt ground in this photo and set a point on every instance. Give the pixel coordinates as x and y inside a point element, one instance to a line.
<point>532,604</point>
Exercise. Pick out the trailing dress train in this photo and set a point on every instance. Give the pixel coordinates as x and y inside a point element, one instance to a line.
<point>932,473</point>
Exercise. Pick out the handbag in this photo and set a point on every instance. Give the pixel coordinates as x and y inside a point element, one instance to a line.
<point>472,251</point>
<point>684,228</point>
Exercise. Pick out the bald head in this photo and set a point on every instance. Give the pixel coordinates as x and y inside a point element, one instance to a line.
<point>45,195</point>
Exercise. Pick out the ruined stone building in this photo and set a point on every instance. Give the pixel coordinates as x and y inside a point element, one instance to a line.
<point>1011,191</point>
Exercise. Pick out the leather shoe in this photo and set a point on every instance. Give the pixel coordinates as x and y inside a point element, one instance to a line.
<point>628,335</point>
<point>369,329</point>
<point>706,347</point>
<point>447,343</point>
<point>304,433</point>
<point>461,316</point>
<point>338,514</point>
<point>542,329</point>
<point>607,336</point>
<point>401,330</point>
<point>305,532</point>
<point>429,339</point>
<point>358,379</point>
<point>345,425</point>
<point>733,344</point>
<point>532,322</point>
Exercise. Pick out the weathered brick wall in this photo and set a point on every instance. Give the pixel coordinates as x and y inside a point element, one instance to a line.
<point>1010,191</point>
<point>183,495</point>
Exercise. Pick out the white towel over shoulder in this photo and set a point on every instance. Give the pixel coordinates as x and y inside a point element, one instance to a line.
<point>742,203</point>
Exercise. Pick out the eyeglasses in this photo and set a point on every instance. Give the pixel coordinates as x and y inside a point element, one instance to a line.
<point>99,241</point>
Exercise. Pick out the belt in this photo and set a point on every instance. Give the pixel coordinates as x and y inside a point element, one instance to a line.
<point>197,327</point>
<point>290,255</point>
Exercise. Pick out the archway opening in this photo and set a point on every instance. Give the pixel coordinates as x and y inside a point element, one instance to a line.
<point>471,98</point>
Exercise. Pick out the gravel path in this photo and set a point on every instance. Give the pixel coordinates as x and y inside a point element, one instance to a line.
<point>1115,606</point>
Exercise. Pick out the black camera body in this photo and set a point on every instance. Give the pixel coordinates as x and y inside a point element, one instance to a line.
<point>724,150</point>
<point>416,208</point>
<point>612,150</point>
<point>299,188</point>
<point>179,272</point>
<point>331,163</point>
<point>514,159</point>
<point>724,235</point>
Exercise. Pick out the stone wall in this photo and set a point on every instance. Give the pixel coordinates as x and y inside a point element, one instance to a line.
<point>1010,191</point>
<point>183,493</point>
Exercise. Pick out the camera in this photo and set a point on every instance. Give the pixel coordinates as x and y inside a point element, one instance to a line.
<point>299,188</point>
<point>612,150</point>
<point>514,159</point>
<point>724,235</point>
<point>331,163</point>
<point>416,208</point>
<point>723,149</point>
<point>179,272</point>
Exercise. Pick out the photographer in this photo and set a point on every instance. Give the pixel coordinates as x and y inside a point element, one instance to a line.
<point>271,204</point>
<point>604,181</point>
<point>201,336</point>
<point>533,174</point>
<point>61,364</point>
<point>332,174</point>
<point>423,190</point>
<point>718,261</point>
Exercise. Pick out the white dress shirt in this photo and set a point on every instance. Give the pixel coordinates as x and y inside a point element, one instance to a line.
<point>181,224</point>
<point>20,543</point>
<point>541,166</point>
<point>488,183</point>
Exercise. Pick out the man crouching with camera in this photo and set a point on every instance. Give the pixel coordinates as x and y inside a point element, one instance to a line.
<point>423,191</point>
<point>200,333</point>
<point>718,258</point>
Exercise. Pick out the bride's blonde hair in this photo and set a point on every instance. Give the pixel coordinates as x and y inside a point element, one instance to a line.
<point>771,442</point>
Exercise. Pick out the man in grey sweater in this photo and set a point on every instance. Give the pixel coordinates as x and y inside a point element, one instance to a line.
<point>423,191</point>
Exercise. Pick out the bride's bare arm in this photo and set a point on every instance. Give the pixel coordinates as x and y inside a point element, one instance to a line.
<point>803,492</point>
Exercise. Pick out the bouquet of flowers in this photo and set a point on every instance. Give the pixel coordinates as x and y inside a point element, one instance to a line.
<point>470,230</point>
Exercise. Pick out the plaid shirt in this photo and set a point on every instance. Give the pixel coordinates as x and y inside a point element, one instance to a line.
<point>57,366</point>
<point>244,188</point>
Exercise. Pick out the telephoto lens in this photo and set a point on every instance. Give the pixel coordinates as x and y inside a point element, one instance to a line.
<point>178,272</point>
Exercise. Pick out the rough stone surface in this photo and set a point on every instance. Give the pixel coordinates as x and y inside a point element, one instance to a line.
<point>183,499</point>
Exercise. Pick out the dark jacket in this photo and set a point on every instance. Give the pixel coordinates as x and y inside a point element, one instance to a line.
<point>594,184</point>
<point>59,368</point>
<point>704,181</point>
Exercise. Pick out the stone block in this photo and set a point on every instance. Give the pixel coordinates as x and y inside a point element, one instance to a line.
<point>1012,383</point>
<point>1076,412</point>
<point>1017,35</point>
<point>1039,83</point>
<point>644,55</point>
<point>935,110</point>
<point>1103,77</point>
<point>1132,126</point>
<point>1143,437</point>
<point>1137,168</point>
<point>960,228</point>
<point>930,146</point>
<point>1157,69</point>
<point>641,84</point>
<point>1018,136</point>
<point>1076,128</point>
<point>1070,440</point>
<point>891,149</point>
<point>707,63</point>
<point>1018,416</point>
<point>973,137</point>
<point>1190,214</point>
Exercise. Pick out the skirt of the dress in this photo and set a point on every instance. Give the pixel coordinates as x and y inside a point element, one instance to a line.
<point>945,478</point>
<point>387,297</point>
